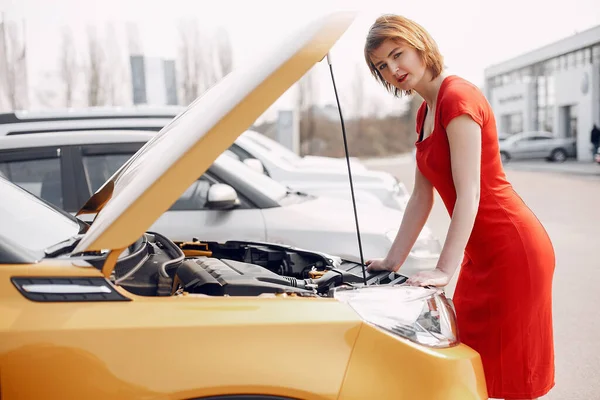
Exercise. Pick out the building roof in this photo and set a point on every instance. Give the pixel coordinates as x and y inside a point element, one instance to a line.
<point>575,42</point>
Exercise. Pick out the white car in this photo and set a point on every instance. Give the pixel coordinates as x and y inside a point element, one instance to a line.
<point>532,145</point>
<point>324,176</point>
<point>229,200</point>
<point>319,175</point>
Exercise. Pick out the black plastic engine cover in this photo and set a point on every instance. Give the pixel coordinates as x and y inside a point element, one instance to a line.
<point>216,277</point>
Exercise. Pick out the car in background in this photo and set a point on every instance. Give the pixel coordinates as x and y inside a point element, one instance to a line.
<point>323,176</point>
<point>111,310</point>
<point>503,136</point>
<point>597,156</point>
<point>66,168</point>
<point>537,145</point>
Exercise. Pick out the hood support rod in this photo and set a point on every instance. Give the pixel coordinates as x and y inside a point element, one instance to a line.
<point>362,260</point>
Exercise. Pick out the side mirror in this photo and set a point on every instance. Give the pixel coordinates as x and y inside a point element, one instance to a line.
<point>222,197</point>
<point>255,164</point>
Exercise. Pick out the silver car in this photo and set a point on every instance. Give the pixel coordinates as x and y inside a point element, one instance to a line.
<point>66,168</point>
<point>532,145</point>
<point>320,176</point>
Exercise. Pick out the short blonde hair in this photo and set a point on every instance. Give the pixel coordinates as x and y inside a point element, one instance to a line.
<point>401,29</point>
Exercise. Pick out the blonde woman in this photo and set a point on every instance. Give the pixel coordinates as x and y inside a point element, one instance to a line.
<point>503,297</point>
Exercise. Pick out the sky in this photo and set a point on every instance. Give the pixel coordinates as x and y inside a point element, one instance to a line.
<point>471,34</point>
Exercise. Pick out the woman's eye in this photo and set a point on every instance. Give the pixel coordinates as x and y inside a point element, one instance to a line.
<point>397,55</point>
<point>382,67</point>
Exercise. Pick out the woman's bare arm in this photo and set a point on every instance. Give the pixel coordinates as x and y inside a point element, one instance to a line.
<point>416,214</point>
<point>464,137</point>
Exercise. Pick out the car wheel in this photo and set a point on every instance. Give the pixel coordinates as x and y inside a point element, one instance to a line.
<point>558,155</point>
<point>504,157</point>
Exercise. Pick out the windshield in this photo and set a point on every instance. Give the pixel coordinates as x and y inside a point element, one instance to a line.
<point>274,148</point>
<point>260,182</point>
<point>30,222</point>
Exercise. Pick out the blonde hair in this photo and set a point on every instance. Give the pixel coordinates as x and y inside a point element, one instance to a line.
<point>401,29</point>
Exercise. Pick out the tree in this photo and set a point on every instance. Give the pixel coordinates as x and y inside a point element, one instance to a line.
<point>358,100</point>
<point>305,103</point>
<point>14,50</point>
<point>224,53</point>
<point>68,66</point>
<point>95,69</point>
<point>203,59</point>
<point>114,75</point>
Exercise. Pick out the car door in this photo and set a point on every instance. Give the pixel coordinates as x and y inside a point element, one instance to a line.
<point>190,216</point>
<point>96,163</point>
<point>45,172</point>
<point>522,148</point>
<point>543,145</point>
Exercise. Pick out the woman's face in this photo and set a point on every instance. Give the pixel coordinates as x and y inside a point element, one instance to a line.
<point>399,64</point>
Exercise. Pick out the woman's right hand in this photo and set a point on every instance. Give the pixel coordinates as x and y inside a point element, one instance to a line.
<point>381,264</point>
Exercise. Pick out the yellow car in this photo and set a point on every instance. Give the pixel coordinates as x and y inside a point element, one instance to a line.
<point>110,311</point>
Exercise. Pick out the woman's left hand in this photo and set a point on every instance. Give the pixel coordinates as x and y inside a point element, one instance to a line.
<point>437,278</point>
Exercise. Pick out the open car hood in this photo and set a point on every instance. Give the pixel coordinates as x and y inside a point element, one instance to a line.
<point>153,178</point>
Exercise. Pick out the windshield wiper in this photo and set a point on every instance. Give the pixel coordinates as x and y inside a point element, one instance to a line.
<point>63,247</point>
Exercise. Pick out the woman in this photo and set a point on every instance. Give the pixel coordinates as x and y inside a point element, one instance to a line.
<point>503,297</point>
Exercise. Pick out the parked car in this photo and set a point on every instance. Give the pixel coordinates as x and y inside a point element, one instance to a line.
<point>109,310</point>
<point>597,156</point>
<point>503,136</point>
<point>325,176</point>
<point>66,168</point>
<point>532,145</point>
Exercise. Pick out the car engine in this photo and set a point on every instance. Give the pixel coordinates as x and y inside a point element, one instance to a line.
<point>157,266</point>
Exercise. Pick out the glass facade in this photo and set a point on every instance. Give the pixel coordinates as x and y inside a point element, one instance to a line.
<point>542,76</point>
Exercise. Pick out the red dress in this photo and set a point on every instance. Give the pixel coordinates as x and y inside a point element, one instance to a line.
<point>503,297</point>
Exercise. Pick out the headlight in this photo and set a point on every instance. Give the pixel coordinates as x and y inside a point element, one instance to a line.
<point>421,315</point>
<point>426,246</point>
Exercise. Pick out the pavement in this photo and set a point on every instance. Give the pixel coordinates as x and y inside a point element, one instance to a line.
<point>570,167</point>
<point>564,196</point>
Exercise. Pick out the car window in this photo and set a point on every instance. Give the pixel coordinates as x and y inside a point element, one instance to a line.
<point>31,223</point>
<point>258,181</point>
<point>194,198</point>
<point>41,177</point>
<point>274,147</point>
<point>541,138</point>
<point>98,168</point>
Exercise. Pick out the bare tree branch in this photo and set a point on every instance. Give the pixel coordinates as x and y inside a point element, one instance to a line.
<point>224,53</point>
<point>114,77</point>
<point>15,68</point>
<point>189,61</point>
<point>95,69</point>
<point>203,59</point>
<point>306,99</point>
<point>68,66</point>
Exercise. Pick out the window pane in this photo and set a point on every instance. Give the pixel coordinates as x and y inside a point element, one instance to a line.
<point>28,221</point>
<point>39,177</point>
<point>98,168</point>
<point>194,198</point>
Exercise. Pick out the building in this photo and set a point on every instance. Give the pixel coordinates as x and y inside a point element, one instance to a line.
<point>153,80</point>
<point>555,88</point>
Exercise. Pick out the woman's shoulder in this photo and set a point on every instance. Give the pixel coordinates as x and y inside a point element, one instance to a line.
<point>459,96</point>
<point>456,87</point>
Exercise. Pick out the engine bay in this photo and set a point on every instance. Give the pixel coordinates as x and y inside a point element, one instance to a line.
<point>157,266</point>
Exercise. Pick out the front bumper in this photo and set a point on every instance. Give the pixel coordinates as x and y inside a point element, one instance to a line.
<point>381,368</point>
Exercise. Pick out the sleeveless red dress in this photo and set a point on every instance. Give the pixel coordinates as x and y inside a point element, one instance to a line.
<point>503,297</point>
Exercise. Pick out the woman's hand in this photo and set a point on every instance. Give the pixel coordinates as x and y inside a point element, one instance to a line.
<point>380,264</point>
<point>437,277</point>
